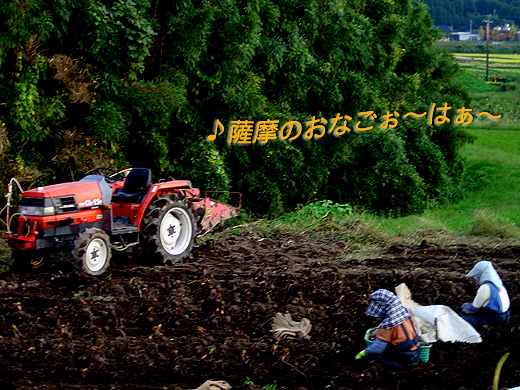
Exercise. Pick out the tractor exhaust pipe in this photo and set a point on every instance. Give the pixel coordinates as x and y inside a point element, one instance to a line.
<point>72,166</point>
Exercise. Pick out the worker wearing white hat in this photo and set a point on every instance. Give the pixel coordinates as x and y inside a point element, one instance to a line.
<point>491,303</point>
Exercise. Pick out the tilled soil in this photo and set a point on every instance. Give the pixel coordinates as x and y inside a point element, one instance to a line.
<point>174,327</point>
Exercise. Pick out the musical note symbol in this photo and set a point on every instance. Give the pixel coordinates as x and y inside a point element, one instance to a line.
<point>217,125</point>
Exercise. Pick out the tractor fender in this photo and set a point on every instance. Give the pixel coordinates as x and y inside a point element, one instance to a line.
<point>182,187</point>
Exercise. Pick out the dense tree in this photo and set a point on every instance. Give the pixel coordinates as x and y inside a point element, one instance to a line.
<point>461,14</point>
<point>143,83</point>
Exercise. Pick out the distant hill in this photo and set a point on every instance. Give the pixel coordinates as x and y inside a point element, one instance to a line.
<point>459,13</point>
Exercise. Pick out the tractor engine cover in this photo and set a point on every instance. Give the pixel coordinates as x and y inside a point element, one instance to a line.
<point>81,194</point>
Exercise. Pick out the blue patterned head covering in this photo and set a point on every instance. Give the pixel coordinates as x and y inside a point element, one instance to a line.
<point>386,304</point>
<point>484,272</point>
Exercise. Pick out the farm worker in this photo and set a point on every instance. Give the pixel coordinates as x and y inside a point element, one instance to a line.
<point>491,304</point>
<point>396,342</point>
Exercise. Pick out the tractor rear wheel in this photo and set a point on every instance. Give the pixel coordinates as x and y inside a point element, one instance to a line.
<point>92,251</point>
<point>169,227</point>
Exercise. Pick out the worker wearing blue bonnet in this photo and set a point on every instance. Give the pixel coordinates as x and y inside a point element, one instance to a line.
<point>491,303</point>
<point>396,342</point>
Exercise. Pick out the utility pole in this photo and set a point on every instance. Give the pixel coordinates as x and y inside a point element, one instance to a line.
<point>487,47</point>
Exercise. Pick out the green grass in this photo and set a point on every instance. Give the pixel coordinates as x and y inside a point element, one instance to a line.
<point>476,84</point>
<point>496,98</point>
<point>495,69</point>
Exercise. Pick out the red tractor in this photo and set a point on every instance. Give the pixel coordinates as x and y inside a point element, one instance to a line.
<point>112,210</point>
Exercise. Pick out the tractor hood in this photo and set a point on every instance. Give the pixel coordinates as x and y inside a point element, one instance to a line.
<point>85,193</point>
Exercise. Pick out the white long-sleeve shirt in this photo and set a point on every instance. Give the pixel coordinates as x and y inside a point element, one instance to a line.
<point>484,294</point>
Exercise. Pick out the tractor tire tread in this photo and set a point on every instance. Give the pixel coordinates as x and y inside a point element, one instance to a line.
<point>151,222</point>
<point>80,247</point>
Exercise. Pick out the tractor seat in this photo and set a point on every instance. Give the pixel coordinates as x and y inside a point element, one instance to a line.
<point>137,184</point>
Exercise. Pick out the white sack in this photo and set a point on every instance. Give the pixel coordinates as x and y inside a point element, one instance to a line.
<point>437,322</point>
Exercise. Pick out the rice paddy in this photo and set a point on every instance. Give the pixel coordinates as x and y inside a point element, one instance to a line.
<point>501,67</point>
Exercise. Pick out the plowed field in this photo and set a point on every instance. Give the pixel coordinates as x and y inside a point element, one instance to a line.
<point>141,326</point>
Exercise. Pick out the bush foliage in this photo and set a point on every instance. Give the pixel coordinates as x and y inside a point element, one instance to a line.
<point>141,83</point>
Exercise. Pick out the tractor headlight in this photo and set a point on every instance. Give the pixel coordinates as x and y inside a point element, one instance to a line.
<point>30,210</point>
<point>49,210</point>
<point>38,207</point>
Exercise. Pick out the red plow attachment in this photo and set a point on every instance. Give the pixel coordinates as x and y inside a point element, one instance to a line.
<point>216,212</point>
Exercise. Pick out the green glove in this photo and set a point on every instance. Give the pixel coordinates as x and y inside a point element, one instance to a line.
<point>360,355</point>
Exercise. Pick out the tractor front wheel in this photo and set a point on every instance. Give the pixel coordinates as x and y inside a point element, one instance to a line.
<point>92,251</point>
<point>25,260</point>
<point>170,228</point>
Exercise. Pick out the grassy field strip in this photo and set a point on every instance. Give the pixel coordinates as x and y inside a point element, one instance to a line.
<point>497,60</point>
<point>494,167</point>
<point>500,145</point>
<point>493,68</point>
<point>499,64</point>
<point>514,57</point>
<point>490,203</point>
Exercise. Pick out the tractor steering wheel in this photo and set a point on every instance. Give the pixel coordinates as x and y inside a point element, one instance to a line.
<point>110,175</point>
